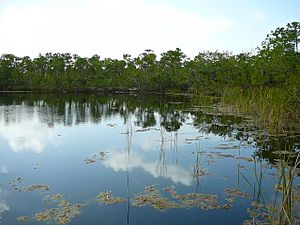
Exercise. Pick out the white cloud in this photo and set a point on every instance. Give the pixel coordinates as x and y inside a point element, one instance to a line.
<point>109,28</point>
<point>121,162</point>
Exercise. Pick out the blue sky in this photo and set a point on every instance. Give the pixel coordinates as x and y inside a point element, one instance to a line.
<point>113,27</point>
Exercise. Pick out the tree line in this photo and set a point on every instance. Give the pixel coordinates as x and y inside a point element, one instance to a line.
<point>275,63</point>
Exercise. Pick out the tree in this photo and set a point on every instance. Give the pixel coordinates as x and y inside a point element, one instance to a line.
<point>8,63</point>
<point>280,53</point>
<point>171,64</point>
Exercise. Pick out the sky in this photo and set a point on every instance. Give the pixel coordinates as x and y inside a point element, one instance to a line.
<point>111,28</point>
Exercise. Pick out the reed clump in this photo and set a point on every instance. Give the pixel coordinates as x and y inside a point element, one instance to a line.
<point>275,108</point>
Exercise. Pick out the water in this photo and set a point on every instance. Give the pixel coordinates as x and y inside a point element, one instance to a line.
<point>81,146</point>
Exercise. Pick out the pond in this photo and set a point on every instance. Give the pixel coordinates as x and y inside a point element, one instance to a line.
<point>113,159</point>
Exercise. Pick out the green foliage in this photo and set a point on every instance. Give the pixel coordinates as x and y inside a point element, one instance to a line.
<point>276,63</point>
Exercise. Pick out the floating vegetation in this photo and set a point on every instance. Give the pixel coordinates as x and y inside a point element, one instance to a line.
<point>203,201</point>
<point>92,159</point>
<point>225,206</point>
<point>227,147</point>
<point>36,166</point>
<point>213,152</point>
<point>15,185</point>
<point>107,198</point>
<point>191,140</point>
<point>87,161</point>
<point>143,129</point>
<point>45,216</point>
<point>152,197</point>
<point>198,172</point>
<point>62,214</point>
<point>102,155</point>
<point>95,157</point>
<point>246,159</point>
<point>64,203</point>
<point>53,198</point>
<point>260,214</point>
<point>232,193</point>
<point>23,219</point>
<point>210,161</point>
<point>220,155</point>
<point>40,187</point>
<point>284,152</point>
<point>216,154</point>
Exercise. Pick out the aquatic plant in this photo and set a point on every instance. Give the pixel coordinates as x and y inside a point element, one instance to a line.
<point>62,214</point>
<point>39,187</point>
<point>107,198</point>
<point>53,198</point>
<point>152,197</point>
<point>231,193</point>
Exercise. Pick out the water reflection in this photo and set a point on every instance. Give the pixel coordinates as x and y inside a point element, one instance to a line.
<point>171,138</point>
<point>3,205</point>
<point>3,169</point>
<point>24,131</point>
<point>25,120</point>
<point>118,162</point>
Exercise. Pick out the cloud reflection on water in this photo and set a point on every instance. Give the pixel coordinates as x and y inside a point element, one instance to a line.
<point>3,169</point>
<point>121,162</point>
<point>3,205</point>
<point>28,135</point>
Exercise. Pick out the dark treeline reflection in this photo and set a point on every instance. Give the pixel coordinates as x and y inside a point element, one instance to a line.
<point>75,109</point>
<point>168,112</point>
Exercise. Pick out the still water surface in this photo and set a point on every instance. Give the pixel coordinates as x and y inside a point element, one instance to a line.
<point>132,160</point>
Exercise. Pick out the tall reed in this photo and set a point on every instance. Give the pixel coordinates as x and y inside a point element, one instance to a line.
<point>273,108</point>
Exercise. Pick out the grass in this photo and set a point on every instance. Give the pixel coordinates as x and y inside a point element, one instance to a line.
<point>274,108</point>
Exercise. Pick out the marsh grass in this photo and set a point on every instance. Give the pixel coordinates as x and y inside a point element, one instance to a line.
<point>276,109</point>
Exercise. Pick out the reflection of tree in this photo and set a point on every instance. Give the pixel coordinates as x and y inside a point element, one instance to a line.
<point>161,167</point>
<point>128,151</point>
<point>174,145</point>
<point>197,172</point>
<point>75,109</point>
<point>273,148</point>
<point>71,109</point>
<point>257,189</point>
<point>217,124</point>
<point>145,118</point>
<point>172,121</point>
